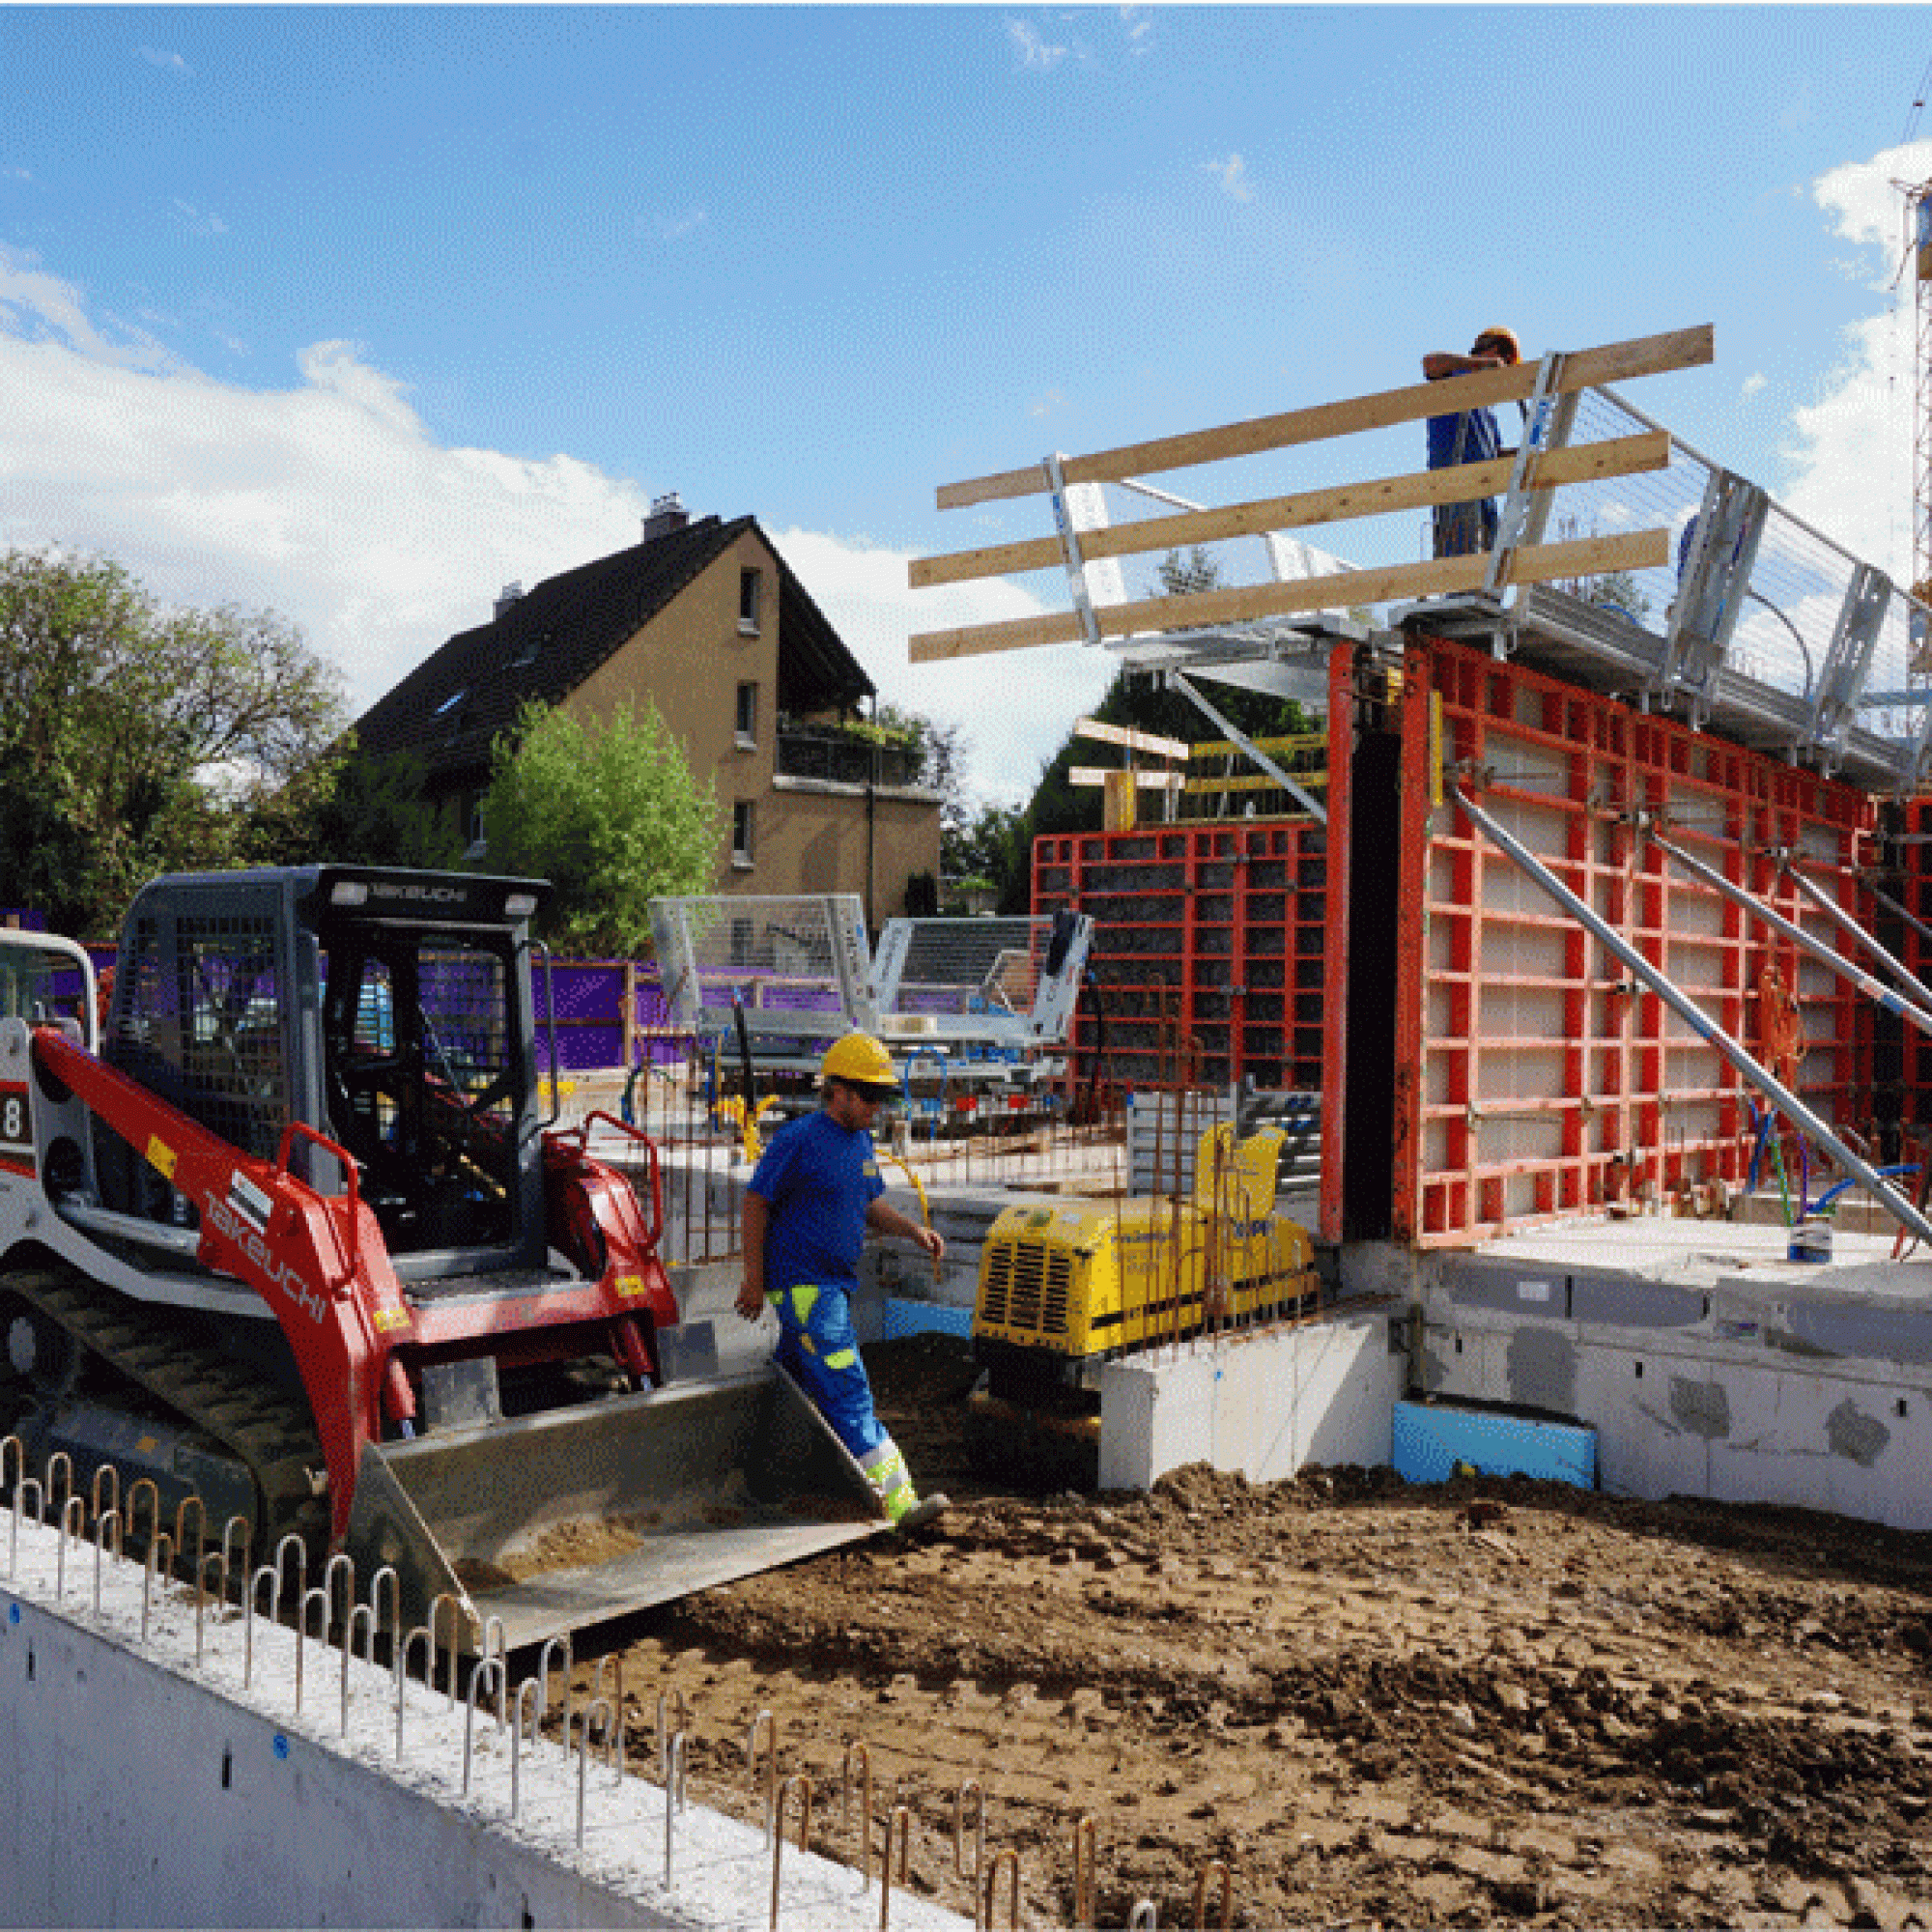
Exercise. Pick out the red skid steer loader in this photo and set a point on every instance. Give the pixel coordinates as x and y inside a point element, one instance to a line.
<point>294,1238</point>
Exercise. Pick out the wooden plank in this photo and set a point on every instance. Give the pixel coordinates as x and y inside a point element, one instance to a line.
<point>1099,775</point>
<point>1132,741</point>
<point>1614,362</point>
<point>1222,748</point>
<point>1440,577</point>
<point>1206,788</point>
<point>1419,489</point>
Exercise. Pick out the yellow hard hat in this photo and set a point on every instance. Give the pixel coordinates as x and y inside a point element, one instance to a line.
<point>859,1059</point>
<point>1503,338</point>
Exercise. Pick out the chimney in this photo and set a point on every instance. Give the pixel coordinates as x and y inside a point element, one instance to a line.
<point>667,514</point>
<point>507,596</point>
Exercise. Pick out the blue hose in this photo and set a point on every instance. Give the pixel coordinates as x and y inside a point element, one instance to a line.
<point>1831,1194</point>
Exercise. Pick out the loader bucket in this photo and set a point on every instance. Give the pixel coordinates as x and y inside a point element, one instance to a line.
<point>565,1518</point>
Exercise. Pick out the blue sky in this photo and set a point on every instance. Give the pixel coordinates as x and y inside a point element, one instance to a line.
<point>363,313</point>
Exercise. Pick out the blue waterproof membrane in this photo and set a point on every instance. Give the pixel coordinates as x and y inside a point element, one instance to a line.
<point>1432,1438</point>
<point>923,1318</point>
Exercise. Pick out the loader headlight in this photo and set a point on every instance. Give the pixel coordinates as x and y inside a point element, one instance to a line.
<point>519,906</point>
<point>349,893</point>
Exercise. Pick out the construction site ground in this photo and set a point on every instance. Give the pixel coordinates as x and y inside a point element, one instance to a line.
<point>1491,1702</point>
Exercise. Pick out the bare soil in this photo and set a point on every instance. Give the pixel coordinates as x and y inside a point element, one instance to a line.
<point>1486,1703</point>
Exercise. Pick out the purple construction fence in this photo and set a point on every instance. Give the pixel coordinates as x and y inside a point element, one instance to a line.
<point>612,1012</point>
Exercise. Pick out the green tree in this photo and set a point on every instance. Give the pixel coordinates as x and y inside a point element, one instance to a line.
<point>988,846</point>
<point>373,814</point>
<point>611,813</point>
<point>137,739</point>
<point>1178,575</point>
<point>1139,701</point>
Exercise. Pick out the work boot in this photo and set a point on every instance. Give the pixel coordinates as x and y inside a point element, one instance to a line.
<point>922,1513</point>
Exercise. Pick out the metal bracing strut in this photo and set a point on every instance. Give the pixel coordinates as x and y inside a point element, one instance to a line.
<point>1888,997</point>
<point>1309,804</point>
<point>1760,1076</point>
<point>1843,920</point>
<point>1070,544</point>
<point>1517,504</point>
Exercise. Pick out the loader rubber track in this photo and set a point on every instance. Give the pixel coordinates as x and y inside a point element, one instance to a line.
<point>267,1430</point>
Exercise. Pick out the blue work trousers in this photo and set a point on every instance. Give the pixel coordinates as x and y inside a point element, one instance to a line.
<point>817,1345</point>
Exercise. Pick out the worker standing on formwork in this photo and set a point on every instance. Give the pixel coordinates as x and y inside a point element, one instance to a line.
<point>1470,436</point>
<point>814,1192</point>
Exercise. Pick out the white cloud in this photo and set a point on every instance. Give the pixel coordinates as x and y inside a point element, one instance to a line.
<point>1852,449</point>
<point>675,228</point>
<point>162,58</point>
<point>1752,386</point>
<point>36,306</point>
<point>1867,207</point>
<point>1233,175</point>
<point>1032,50</point>
<point>199,220</point>
<point>326,501</point>
<point>330,501</point>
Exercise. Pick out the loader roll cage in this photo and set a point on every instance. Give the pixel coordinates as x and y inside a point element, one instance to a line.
<point>421,1064</point>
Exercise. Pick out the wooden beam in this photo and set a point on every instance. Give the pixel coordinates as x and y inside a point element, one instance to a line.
<point>1146,781</point>
<point>1440,577</point>
<point>1615,362</point>
<point>1132,741</point>
<point>1582,463</point>
<point>1206,787</point>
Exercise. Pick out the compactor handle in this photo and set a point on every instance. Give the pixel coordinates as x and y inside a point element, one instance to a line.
<point>348,1160</point>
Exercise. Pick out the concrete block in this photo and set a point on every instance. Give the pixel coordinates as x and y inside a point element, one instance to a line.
<point>1265,1403</point>
<point>1630,1301</point>
<point>1522,1287</point>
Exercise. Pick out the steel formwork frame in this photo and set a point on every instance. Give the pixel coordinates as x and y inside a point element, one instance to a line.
<point>1209,949</point>
<point>1531,1082</point>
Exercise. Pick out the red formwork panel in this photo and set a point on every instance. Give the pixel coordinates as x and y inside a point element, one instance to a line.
<point>1535,1079</point>
<point>1208,950</point>
<point>1910,885</point>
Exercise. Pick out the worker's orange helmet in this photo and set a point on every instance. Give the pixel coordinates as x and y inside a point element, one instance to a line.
<point>859,1061</point>
<point>1502,339</point>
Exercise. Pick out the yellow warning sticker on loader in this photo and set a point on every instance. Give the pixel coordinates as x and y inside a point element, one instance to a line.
<point>630,1286</point>
<point>387,1318</point>
<point>161,1156</point>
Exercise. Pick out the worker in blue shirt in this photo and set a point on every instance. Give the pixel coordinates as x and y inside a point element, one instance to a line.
<point>1470,436</point>
<point>812,1195</point>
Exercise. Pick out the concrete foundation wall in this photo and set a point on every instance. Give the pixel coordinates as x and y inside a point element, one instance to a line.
<point>139,1798</point>
<point>1812,1389</point>
<point>171,1778</point>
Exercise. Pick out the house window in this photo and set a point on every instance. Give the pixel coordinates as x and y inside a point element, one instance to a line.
<point>741,834</point>
<point>746,727</point>
<point>748,602</point>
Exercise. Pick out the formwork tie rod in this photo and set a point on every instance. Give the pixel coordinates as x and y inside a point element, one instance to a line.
<point>1760,1076</point>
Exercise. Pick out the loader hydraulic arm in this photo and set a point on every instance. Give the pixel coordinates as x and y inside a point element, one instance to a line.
<point>318,1261</point>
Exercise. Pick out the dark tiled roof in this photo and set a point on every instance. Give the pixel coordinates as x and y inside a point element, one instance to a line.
<point>451,707</point>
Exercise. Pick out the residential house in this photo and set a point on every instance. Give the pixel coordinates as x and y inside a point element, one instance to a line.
<point>705,620</point>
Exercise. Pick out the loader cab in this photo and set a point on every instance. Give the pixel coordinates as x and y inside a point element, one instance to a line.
<point>389,1011</point>
<point>428,1061</point>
